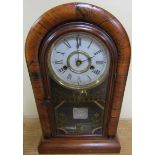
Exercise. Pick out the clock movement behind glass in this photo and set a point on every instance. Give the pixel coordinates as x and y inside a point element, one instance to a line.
<point>78,57</point>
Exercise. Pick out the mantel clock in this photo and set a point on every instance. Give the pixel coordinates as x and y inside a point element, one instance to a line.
<point>78,57</point>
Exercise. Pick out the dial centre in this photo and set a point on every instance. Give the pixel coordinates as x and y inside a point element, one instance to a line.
<point>75,64</point>
<point>78,62</point>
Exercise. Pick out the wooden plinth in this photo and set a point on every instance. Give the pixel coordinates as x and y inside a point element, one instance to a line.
<point>77,145</point>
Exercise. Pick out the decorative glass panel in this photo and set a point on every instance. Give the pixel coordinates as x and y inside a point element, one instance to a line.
<point>84,118</point>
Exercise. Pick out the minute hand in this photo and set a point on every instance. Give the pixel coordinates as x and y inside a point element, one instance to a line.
<point>88,59</point>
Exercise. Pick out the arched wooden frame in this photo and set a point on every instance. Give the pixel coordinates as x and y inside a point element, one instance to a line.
<point>84,13</point>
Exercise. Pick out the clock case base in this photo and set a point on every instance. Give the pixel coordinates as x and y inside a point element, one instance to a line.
<point>77,145</point>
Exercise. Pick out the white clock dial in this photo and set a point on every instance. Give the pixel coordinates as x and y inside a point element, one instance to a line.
<point>78,60</point>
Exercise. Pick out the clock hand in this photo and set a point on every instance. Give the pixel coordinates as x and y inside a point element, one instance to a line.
<point>78,43</point>
<point>88,59</point>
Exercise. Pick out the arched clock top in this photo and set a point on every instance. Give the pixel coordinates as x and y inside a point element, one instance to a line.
<point>78,12</point>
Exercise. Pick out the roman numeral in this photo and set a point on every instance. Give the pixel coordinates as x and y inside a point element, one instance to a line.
<point>97,72</point>
<point>100,62</point>
<point>67,43</point>
<point>98,52</point>
<point>90,43</point>
<point>69,77</point>
<point>79,80</point>
<point>78,41</point>
<point>58,62</point>
<point>61,70</point>
<point>89,77</point>
<point>60,53</point>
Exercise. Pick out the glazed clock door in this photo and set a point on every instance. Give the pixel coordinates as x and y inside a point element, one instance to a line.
<point>78,64</point>
<point>79,61</point>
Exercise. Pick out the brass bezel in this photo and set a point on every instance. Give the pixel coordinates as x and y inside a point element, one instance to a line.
<point>78,87</point>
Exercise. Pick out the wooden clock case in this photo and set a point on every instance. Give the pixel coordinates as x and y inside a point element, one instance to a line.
<point>55,22</point>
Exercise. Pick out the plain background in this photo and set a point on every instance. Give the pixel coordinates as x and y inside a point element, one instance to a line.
<point>34,8</point>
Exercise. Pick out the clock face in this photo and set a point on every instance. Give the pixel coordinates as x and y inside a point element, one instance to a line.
<point>78,60</point>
